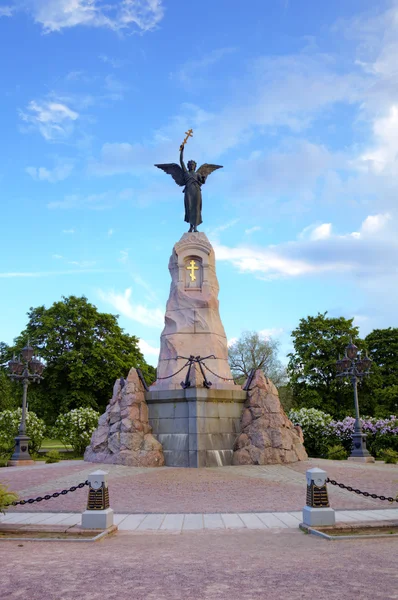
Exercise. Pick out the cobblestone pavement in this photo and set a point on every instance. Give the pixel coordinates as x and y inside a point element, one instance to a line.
<point>280,564</point>
<point>213,490</point>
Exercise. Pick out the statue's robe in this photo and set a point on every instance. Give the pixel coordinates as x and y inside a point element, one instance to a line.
<point>193,197</point>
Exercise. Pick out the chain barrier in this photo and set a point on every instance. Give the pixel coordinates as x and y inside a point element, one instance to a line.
<point>49,496</point>
<point>366,494</point>
<point>176,373</point>
<point>219,376</point>
<point>199,360</point>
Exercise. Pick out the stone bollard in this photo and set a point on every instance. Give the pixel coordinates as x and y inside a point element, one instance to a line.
<point>317,510</point>
<point>98,515</point>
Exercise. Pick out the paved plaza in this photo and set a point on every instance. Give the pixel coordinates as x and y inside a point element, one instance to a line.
<point>166,490</point>
<point>275,564</point>
<point>200,534</point>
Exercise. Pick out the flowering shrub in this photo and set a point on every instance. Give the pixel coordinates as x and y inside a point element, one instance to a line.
<point>76,427</point>
<point>315,425</point>
<point>380,433</point>
<point>9,424</point>
<point>321,431</point>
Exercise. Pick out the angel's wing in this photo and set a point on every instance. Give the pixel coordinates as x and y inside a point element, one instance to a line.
<point>174,170</point>
<point>206,169</point>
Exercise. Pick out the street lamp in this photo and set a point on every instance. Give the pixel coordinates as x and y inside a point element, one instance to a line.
<point>354,367</point>
<point>26,370</point>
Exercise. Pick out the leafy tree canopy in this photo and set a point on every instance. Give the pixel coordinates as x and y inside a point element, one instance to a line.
<point>318,342</point>
<point>383,350</point>
<point>84,351</point>
<point>10,393</point>
<point>252,351</point>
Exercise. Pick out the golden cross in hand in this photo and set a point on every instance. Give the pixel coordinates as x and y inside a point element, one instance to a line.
<point>192,268</point>
<point>188,134</point>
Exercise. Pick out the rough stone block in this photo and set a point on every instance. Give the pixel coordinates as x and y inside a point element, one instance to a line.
<point>124,437</point>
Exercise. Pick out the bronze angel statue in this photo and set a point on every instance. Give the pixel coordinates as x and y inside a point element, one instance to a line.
<point>192,180</point>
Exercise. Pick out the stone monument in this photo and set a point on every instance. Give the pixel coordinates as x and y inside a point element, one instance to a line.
<point>196,412</point>
<point>194,407</point>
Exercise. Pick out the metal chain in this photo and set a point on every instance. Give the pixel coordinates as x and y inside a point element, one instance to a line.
<point>219,376</point>
<point>176,373</point>
<point>48,496</point>
<point>366,494</point>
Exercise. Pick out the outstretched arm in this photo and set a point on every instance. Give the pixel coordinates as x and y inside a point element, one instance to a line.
<point>183,167</point>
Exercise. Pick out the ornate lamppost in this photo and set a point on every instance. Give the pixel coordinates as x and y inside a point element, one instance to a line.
<point>354,367</point>
<point>26,370</point>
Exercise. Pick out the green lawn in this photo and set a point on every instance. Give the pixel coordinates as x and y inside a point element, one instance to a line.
<point>49,444</point>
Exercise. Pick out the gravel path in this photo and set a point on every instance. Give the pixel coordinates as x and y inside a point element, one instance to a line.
<point>244,565</point>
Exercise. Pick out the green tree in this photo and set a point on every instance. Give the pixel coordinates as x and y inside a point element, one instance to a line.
<point>84,351</point>
<point>252,351</point>
<point>382,345</point>
<point>318,342</point>
<point>10,393</point>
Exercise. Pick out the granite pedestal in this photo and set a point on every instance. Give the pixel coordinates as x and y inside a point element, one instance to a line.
<point>197,427</point>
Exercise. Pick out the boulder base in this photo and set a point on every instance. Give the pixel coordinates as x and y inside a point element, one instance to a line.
<point>124,436</point>
<point>267,436</point>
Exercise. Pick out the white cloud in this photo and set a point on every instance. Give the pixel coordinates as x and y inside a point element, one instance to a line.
<point>101,201</point>
<point>84,264</point>
<point>53,120</point>
<point>119,15</point>
<point>375,223</point>
<point>36,274</point>
<point>115,87</point>
<point>194,72</point>
<point>57,256</point>
<point>382,157</point>
<point>147,349</point>
<point>6,11</point>
<point>120,158</point>
<point>136,312</point>
<point>68,231</point>
<point>253,229</point>
<point>272,332</point>
<point>214,232</point>
<point>58,173</point>
<point>111,232</point>
<point>116,63</point>
<point>371,252</point>
<point>124,256</point>
<point>267,261</point>
<point>316,232</point>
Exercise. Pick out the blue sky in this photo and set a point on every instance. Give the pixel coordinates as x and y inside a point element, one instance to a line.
<point>297,99</point>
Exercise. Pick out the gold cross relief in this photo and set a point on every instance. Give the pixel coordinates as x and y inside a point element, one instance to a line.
<point>192,267</point>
